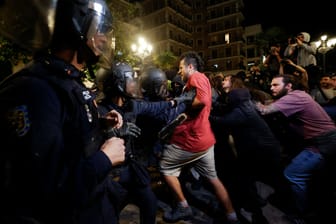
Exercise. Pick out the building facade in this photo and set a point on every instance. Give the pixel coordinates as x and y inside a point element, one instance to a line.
<point>213,28</point>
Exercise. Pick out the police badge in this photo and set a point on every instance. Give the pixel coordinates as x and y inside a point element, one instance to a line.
<point>18,120</point>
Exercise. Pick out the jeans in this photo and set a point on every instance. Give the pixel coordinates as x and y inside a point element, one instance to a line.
<point>331,111</point>
<point>300,173</point>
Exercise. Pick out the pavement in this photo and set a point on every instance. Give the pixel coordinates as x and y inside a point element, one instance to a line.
<point>204,214</point>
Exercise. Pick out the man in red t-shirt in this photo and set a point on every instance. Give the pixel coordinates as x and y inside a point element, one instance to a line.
<point>193,142</point>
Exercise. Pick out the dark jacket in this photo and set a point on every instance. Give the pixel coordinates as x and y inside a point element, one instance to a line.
<point>250,131</point>
<point>52,168</point>
<point>258,151</point>
<point>151,124</point>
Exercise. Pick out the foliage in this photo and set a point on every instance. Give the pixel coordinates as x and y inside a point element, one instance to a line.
<point>123,32</point>
<point>166,60</point>
<point>11,55</point>
<point>13,52</point>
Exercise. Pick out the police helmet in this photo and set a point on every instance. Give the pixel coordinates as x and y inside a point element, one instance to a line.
<point>82,25</point>
<point>118,81</point>
<point>153,84</point>
<point>58,24</point>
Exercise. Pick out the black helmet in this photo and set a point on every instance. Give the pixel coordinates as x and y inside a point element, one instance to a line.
<point>59,24</point>
<point>82,25</point>
<point>153,84</point>
<point>117,81</point>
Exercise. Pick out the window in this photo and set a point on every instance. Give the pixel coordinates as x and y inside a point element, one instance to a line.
<point>214,54</point>
<point>250,39</point>
<point>214,39</point>
<point>227,38</point>
<point>228,52</point>
<point>198,4</point>
<point>213,27</point>
<point>251,53</point>
<point>229,64</point>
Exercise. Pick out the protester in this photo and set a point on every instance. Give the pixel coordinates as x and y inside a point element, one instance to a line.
<point>302,52</point>
<point>310,121</point>
<point>192,142</point>
<point>257,149</point>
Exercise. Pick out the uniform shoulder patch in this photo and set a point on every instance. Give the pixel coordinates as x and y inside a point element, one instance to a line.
<point>18,120</point>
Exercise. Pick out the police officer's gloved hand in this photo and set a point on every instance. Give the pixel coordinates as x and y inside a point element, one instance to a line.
<point>186,98</point>
<point>128,129</point>
<point>214,119</point>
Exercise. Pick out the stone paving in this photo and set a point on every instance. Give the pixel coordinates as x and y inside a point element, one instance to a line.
<point>130,214</point>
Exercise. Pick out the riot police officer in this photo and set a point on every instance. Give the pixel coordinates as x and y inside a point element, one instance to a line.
<point>55,166</point>
<point>120,93</point>
<point>119,89</point>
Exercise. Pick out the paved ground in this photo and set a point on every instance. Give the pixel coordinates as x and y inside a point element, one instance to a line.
<point>130,215</point>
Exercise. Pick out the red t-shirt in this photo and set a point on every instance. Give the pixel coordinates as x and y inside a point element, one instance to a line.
<point>195,134</point>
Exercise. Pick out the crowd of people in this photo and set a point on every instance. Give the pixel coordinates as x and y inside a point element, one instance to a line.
<point>78,155</point>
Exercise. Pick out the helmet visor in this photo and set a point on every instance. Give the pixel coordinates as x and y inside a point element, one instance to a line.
<point>131,88</point>
<point>162,89</point>
<point>98,28</point>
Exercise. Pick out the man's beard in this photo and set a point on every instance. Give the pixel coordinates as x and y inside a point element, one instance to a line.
<point>281,93</point>
<point>185,78</point>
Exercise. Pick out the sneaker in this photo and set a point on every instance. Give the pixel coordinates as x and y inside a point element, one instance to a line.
<point>179,213</point>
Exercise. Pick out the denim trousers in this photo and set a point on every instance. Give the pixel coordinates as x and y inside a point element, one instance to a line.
<point>331,111</point>
<point>300,172</point>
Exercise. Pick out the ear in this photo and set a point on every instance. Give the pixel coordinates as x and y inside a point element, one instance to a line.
<point>289,86</point>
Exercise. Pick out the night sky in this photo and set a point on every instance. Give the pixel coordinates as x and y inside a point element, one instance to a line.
<point>293,15</point>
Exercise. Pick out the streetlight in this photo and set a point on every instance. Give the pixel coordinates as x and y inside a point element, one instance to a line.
<point>142,49</point>
<point>323,46</point>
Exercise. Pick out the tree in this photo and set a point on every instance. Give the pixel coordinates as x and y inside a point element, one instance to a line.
<point>11,55</point>
<point>165,60</point>
<point>123,31</point>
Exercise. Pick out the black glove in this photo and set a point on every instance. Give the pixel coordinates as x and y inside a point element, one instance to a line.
<point>128,129</point>
<point>214,119</point>
<point>186,97</point>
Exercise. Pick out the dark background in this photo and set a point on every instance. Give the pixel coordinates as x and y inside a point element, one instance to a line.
<point>294,16</point>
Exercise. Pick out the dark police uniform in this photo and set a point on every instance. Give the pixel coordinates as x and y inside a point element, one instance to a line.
<point>52,169</point>
<point>138,187</point>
